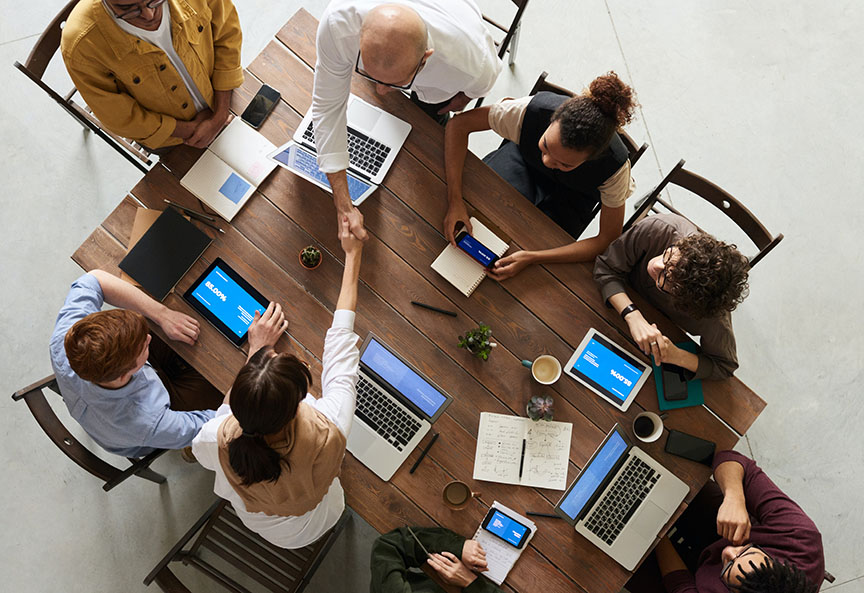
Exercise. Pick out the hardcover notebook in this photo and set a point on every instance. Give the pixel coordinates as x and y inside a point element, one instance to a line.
<point>231,168</point>
<point>459,268</point>
<point>164,253</point>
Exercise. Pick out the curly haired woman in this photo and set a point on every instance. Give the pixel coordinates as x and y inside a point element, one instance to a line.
<point>563,154</point>
<point>696,280</point>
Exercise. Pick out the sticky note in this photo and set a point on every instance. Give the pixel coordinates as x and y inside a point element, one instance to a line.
<point>234,188</point>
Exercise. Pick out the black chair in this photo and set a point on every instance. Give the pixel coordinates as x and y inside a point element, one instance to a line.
<point>228,541</point>
<point>34,397</point>
<point>511,37</point>
<point>714,195</point>
<point>34,68</point>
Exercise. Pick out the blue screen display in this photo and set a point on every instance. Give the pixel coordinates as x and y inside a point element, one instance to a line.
<point>477,250</point>
<point>593,475</point>
<point>305,162</point>
<point>400,376</point>
<point>228,301</point>
<point>506,528</point>
<point>606,369</point>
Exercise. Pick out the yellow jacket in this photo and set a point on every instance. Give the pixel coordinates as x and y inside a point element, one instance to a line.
<point>131,85</point>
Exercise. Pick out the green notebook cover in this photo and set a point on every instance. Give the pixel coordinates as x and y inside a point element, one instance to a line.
<point>694,386</point>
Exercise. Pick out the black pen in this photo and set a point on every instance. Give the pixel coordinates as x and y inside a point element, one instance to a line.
<point>436,309</point>
<point>210,224</point>
<point>522,459</point>
<point>190,212</point>
<point>533,514</point>
<point>423,453</point>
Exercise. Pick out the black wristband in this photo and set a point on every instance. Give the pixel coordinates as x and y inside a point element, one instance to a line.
<point>627,310</point>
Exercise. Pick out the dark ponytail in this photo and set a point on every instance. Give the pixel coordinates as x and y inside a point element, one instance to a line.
<point>589,121</point>
<point>264,398</point>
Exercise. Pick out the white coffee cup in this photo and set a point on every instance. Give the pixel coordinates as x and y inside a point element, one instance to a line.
<point>545,369</point>
<point>645,421</point>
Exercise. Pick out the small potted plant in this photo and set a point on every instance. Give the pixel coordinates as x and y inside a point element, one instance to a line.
<point>310,257</point>
<point>540,407</point>
<point>476,341</point>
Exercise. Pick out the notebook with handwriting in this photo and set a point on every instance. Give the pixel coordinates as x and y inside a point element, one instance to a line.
<point>459,268</point>
<point>500,556</point>
<point>499,451</point>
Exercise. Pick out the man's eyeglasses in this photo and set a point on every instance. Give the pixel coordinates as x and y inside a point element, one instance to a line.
<point>661,280</point>
<point>136,12</point>
<point>401,87</point>
<point>724,574</point>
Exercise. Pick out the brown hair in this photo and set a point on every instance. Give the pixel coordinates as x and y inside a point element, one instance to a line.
<point>589,121</point>
<point>105,345</point>
<point>264,398</point>
<point>708,278</point>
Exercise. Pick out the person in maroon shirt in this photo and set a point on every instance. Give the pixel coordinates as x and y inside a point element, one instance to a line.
<point>741,533</point>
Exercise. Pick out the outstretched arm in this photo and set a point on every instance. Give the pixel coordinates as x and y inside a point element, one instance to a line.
<point>455,150</point>
<point>351,274</point>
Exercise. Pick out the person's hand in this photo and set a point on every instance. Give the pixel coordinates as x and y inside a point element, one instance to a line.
<point>179,326</point>
<point>473,555</point>
<point>207,130</point>
<point>457,103</point>
<point>733,520</point>
<point>355,222</point>
<point>646,335</point>
<point>509,266</point>
<point>456,215</point>
<point>451,570</point>
<point>266,329</point>
<point>350,243</point>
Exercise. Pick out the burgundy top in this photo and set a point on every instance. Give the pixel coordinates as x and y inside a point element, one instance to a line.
<point>778,526</point>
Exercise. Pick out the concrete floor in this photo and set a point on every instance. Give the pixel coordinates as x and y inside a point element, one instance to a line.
<point>761,98</point>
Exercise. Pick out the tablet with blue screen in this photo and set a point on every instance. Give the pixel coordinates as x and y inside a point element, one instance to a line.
<point>607,369</point>
<point>226,300</point>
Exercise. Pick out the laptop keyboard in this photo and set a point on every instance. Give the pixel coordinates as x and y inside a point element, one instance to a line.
<point>364,153</point>
<point>377,409</point>
<point>307,163</point>
<point>621,501</point>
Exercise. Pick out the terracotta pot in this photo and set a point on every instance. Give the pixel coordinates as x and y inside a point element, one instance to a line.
<point>300,258</point>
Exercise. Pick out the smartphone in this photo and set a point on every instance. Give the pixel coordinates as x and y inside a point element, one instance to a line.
<point>260,106</point>
<point>475,248</point>
<point>505,528</point>
<point>690,447</point>
<point>674,383</point>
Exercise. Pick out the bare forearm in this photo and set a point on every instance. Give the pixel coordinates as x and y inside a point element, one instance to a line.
<point>668,558</point>
<point>222,102</point>
<point>350,277</point>
<point>341,195</point>
<point>120,293</point>
<point>456,147</point>
<point>730,477</point>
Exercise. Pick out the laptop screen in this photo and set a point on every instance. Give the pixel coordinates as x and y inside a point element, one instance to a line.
<point>593,474</point>
<point>305,164</point>
<point>402,378</point>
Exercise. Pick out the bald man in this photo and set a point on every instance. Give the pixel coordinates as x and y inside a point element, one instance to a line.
<point>438,49</point>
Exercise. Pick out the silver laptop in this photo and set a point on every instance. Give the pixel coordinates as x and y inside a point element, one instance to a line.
<point>396,406</point>
<point>621,499</point>
<point>374,139</point>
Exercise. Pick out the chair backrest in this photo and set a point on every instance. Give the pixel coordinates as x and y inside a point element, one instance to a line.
<point>509,32</point>
<point>34,397</point>
<point>231,545</point>
<point>716,196</point>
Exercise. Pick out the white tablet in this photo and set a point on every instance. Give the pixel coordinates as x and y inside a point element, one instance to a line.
<point>608,370</point>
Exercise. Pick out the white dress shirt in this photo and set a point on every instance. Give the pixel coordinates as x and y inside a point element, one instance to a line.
<point>339,397</point>
<point>464,60</point>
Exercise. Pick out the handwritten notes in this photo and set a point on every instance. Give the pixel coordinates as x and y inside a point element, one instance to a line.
<point>499,451</point>
<point>500,556</point>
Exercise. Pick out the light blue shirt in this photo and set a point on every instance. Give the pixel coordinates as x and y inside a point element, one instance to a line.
<point>131,421</point>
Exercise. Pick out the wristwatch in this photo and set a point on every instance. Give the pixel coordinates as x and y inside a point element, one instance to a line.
<point>627,310</point>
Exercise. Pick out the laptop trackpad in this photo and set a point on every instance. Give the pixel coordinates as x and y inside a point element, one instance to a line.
<point>362,116</point>
<point>649,520</point>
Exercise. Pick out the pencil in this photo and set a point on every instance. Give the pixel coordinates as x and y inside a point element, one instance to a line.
<point>423,453</point>
<point>436,309</point>
<point>190,211</point>
<point>533,514</point>
<point>522,459</point>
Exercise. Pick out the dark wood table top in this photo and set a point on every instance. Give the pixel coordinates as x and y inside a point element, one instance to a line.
<point>545,309</point>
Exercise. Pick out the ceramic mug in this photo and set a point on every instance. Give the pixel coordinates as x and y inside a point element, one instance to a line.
<point>648,427</point>
<point>545,369</point>
<point>457,494</point>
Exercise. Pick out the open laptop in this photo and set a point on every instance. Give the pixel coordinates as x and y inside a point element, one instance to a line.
<point>396,406</point>
<point>374,140</point>
<point>621,499</point>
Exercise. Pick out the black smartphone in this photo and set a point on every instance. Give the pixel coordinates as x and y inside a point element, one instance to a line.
<point>260,106</point>
<point>482,254</point>
<point>505,528</point>
<point>690,447</point>
<point>674,383</point>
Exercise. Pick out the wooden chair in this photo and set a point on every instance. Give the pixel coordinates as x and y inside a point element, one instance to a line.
<point>227,540</point>
<point>34,396</point>
<point>714,195</point>
<point>34,68</point>
<point>511,37</point>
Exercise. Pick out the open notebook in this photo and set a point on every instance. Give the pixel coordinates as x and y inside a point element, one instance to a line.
<point>459,268</point>
<point>231,168</point>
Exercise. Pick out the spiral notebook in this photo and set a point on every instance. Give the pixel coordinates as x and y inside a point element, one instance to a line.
<point>459,268</point>
<point>501,556</point>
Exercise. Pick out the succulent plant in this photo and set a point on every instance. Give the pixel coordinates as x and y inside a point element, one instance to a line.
<point>540,407</point>
<point>476,341</point>
<point>310,257</point>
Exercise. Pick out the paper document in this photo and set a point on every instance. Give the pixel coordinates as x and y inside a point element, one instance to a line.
<point>501,556</point>
<point>462,270</point>
<point>499,451</point>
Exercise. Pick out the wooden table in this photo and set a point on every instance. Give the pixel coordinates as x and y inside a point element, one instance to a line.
<point>543,309</point>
